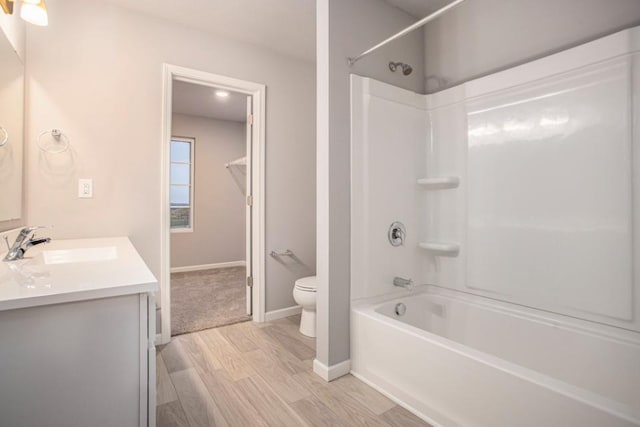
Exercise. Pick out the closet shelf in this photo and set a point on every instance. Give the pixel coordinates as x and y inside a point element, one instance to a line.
<point>441,248</point>
<point>439,183</point>
<point>242,161</point>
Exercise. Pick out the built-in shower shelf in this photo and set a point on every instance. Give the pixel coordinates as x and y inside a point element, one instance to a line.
<point>439,183</point>
<point>441,248</point>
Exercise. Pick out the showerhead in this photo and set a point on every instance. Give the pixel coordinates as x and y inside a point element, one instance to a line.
<point>406,68</point>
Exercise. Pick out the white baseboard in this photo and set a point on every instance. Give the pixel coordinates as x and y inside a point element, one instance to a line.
<point>283,312</point>
<point>158,340</point>
<point>208,266</point>
<point>330,373</point>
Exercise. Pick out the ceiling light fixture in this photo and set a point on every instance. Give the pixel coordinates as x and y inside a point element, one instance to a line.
<point>222,94</point>
<point>7,6</point>
<point>34,12</point>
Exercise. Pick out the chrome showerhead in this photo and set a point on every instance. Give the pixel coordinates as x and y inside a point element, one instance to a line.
<point>406,68</point>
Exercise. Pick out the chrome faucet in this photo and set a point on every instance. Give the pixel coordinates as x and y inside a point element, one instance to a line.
<point>23,243</point>
<point>403,283</point>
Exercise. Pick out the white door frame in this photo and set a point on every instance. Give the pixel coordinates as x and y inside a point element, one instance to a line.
<point>257,92</point>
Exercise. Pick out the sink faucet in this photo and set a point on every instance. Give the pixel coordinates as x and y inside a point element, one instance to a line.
<point>403,283</point>
<point>22,243</point>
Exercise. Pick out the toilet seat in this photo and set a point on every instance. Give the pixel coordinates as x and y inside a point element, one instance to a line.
<point>306,284</point>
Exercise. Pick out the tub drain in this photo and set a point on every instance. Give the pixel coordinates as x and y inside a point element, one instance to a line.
<point>401,309</point>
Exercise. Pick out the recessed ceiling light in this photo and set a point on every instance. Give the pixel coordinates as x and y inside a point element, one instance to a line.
<point>222,94</point>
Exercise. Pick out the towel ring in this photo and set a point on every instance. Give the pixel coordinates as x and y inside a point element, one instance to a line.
<point>4,136</point>
<point>58,143</point>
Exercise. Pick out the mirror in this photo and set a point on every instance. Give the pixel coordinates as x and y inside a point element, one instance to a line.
<point>11,133</point>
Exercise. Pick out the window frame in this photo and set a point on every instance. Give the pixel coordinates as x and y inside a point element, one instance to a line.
<point>192,143</point>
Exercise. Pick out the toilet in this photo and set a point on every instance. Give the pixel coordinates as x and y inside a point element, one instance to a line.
<point>304,293</point>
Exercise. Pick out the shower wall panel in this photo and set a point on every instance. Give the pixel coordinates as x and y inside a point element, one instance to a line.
<point>544,210</point>
<point>549,172</point>
<point>390,131</point>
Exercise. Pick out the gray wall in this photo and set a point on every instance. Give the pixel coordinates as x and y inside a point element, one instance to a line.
<point>483,36</point>
<point>219,205</point>
<point>345,28</point>
<point>96,73</point>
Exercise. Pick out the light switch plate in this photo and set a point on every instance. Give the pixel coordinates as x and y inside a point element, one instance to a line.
<point>85,188</point>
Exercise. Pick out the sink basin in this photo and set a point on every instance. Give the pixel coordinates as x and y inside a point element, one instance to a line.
<point>67,256</point>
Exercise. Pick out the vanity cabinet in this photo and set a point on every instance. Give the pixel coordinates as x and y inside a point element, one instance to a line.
<point>79,353</point>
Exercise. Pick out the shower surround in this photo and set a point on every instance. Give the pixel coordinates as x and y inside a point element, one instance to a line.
<point>519,196</point>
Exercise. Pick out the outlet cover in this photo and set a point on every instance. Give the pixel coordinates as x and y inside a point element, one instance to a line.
<point>85,188</point>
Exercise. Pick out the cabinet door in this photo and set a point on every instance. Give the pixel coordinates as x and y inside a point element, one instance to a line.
<point>72,365</point>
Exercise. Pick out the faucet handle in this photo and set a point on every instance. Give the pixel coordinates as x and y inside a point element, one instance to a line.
<point>28,230</point>
<point>6,242</point>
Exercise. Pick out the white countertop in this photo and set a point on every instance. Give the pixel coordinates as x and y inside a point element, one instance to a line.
<point>74,270</point>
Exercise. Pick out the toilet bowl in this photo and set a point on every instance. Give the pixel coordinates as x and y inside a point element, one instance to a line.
<point>304,293</point>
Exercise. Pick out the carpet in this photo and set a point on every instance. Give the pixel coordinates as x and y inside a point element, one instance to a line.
<point>207,299</point>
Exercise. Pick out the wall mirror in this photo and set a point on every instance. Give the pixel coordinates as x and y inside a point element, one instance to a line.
<point>11,134</point>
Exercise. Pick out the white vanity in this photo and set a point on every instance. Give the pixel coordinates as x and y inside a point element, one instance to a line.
<point>77,329</point>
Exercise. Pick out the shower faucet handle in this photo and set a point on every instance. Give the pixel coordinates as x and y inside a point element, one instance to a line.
<point>397,233</point>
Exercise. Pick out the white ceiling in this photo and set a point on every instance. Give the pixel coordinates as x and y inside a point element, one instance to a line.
<point>286,26</point>
<point>197,100</point>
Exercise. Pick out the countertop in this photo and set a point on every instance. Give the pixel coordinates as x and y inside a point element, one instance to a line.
<point>74,270</point>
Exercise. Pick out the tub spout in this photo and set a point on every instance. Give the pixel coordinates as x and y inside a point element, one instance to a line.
<point>403,283</point>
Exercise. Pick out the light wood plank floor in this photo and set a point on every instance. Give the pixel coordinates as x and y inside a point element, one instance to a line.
<point>261,375</point>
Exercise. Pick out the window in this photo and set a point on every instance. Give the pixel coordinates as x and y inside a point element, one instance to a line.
<point>181,193</point>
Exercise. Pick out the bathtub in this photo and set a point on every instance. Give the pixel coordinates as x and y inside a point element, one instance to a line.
<point>460,360</point>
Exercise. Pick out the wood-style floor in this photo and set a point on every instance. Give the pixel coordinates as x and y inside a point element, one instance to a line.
<point>251,374</point>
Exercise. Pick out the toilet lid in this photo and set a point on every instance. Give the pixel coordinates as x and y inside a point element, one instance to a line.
<point>307,283</point>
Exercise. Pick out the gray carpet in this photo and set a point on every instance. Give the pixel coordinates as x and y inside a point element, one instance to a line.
<point>207,299</point>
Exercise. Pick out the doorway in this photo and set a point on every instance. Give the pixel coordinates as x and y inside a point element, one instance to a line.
<point>212,258</point>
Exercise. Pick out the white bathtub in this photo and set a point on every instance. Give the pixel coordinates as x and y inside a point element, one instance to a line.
<point>460,360</point>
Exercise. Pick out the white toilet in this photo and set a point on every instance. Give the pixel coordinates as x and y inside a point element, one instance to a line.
<point>304,293</point>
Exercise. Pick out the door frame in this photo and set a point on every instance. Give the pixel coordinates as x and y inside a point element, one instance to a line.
<point>258,93</point>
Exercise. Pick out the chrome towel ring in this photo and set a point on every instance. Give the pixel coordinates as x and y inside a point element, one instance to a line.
<point>56,144</point>
<point>4,136</point>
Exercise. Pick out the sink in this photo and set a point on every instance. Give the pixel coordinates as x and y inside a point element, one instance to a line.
<point>33,272</point>
<point>68,256</point>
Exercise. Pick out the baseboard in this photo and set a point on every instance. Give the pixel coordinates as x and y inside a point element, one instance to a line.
<point>283,312</point>
<point>158,340</point>
<point>208,266</point>
<point>330,373</point>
